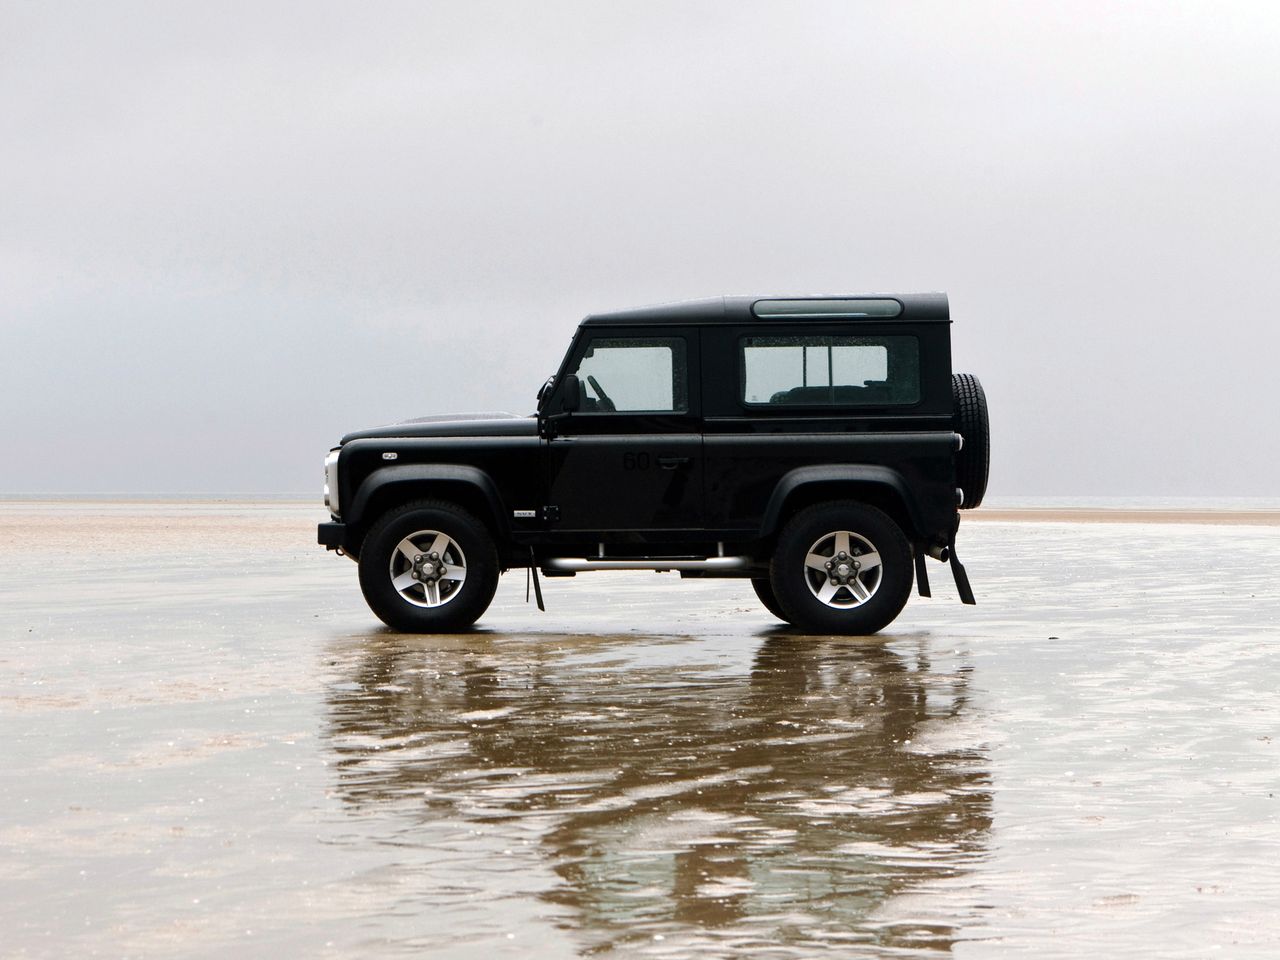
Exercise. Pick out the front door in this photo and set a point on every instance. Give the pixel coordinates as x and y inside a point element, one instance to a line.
<point>630,457</point>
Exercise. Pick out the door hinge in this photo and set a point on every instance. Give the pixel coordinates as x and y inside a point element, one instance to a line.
<point>551,513</point>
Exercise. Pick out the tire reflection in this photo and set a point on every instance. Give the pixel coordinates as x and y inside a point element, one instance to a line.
<point>789,806</point>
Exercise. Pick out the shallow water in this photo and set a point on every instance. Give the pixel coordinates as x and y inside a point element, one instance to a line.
<point>210,744</point>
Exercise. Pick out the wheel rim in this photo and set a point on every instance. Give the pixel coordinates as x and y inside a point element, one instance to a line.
<point>428,568</point>
<point>843,569</point>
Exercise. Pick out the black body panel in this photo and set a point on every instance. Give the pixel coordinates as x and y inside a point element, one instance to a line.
<point>751,476</point>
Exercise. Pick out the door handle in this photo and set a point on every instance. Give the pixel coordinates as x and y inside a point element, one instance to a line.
<point>670,463</point>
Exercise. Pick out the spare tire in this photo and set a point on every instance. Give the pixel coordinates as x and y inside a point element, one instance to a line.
<point>970,418</point>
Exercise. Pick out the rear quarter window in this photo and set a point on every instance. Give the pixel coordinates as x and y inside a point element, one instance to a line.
<point>830,371</point>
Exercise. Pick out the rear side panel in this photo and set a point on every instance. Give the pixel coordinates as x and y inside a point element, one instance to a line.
<point>745,470</point>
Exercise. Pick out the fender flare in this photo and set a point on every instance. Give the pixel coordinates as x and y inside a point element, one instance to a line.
<point>862,474</point>
<point>428,473</point>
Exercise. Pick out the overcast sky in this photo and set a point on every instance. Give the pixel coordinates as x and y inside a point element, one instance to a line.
<point>231,232</point>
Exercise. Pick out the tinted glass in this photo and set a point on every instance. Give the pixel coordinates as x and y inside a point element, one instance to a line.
<point>831,371</point>
<point>634,375</point>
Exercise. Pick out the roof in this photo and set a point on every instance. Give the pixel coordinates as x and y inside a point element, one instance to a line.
<point>916,307</point>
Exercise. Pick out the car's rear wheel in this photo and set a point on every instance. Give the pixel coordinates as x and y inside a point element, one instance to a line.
<point>764,590</point>
<point>841,567</point>
<point>428,567</point>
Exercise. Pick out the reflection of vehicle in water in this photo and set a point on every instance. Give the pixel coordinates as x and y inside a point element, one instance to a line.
<point>787,805</point>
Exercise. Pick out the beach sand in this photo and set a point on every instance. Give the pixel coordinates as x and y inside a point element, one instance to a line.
<point>1253,518</point>
<point>213,748</point>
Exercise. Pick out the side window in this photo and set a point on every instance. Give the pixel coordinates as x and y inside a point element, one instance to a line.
<point>634,375</point>
<point>830,371</point>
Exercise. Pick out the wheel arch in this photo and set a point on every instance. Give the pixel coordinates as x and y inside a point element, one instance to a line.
<point>468,487</point>
<point>876,486</point>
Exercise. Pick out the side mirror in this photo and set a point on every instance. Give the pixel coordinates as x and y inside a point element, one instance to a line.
<point>545,389</point>
<point>571,395</point>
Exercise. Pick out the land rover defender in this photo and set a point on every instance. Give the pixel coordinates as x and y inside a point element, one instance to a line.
<point>820,447</point>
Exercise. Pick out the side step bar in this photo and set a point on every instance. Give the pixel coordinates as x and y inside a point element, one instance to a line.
<point>574,565</point>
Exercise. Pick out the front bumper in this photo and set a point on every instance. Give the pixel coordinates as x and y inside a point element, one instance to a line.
<point>332,535</point>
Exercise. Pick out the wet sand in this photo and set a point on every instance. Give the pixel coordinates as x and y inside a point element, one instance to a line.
<point>212,747</point>
<point>1251,518</point>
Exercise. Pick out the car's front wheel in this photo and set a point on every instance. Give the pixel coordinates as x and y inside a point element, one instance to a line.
<point>841,567</point>
<point>428,567</point>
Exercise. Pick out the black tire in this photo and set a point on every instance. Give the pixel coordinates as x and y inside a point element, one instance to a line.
<point>434,601</point>
<point>797,582</point>
<point>973,462</point>
<point>764,590</point>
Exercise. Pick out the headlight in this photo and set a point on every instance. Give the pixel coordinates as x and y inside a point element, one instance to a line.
<point>331,481</point>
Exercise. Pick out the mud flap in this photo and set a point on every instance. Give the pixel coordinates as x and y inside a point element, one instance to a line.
<point>962,578</point>
<point>532,574</point>
<point>922,576</point>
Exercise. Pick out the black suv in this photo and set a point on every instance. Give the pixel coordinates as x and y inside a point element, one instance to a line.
<point>820,447</point>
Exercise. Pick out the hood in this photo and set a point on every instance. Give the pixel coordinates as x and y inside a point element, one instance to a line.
<point>496,424</point>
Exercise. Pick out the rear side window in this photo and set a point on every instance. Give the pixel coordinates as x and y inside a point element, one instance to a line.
<point>634,375</point>
<point>830,371</point>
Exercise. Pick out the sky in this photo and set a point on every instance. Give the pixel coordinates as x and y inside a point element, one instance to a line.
<point>231,232</point>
